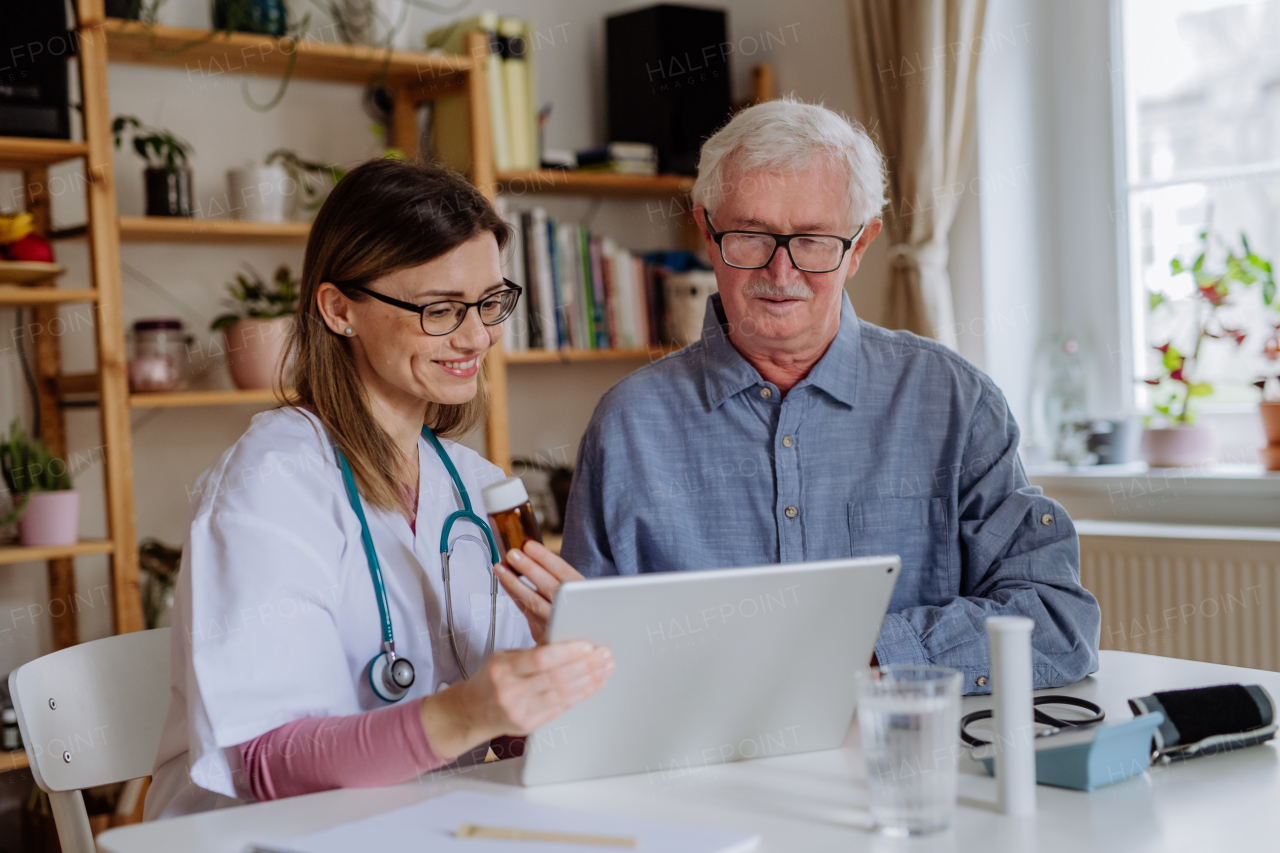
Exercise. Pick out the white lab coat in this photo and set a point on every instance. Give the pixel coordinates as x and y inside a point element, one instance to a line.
<point>275,617</point>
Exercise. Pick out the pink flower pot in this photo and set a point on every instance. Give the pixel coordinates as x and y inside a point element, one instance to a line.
<point>51,518</point>
<point>1177,447</point>
<point>1271,422</point>
<point>255,348</point>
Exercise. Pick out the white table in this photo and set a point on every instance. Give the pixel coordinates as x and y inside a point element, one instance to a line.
<point>818,801</point>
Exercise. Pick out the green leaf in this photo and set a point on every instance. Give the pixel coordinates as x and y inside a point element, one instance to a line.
<point>1172,359</point>
<point>1200,389</point>
<point>1155,298</point>
<point>1176,267</point>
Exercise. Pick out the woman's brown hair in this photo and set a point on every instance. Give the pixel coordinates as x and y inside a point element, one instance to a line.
<point>384,216</point>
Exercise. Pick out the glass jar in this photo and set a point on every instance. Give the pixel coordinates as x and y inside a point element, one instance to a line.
<point>159,350</point>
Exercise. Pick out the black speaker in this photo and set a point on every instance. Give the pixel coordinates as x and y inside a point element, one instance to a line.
<point>34,47</point>
<point>668,80</point>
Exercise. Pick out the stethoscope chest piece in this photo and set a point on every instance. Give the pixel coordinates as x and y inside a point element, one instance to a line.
<point>390,683</point>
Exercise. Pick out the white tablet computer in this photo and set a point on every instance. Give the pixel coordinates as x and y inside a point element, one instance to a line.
<point>713,666</point>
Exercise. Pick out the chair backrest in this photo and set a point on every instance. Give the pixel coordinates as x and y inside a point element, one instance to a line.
<point>92,714</point>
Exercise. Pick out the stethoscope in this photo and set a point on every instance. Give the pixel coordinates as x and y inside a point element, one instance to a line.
<point>391,676</point>
<point>1055,724</point>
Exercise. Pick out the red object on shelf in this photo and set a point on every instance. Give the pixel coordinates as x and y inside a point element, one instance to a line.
<point>32,247</point>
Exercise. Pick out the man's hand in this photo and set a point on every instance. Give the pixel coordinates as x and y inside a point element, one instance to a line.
<point>512,694</point>
<point>544,570</point>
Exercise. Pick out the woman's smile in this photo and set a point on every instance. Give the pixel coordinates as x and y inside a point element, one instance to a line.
<point>461,369</point>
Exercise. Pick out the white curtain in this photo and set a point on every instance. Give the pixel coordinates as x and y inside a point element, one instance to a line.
<point>915,64</point>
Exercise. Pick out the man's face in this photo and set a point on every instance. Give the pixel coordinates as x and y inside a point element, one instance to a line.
<point>779,306</point>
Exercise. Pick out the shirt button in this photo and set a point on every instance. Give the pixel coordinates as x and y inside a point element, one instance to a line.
<point>787,441</point>
<point>1046,519</point>
<point>766,393</point>
<point>982,681</point>
<point>791,512</point>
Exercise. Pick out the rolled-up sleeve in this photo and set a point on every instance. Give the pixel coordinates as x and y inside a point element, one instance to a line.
<point>1019,556</point>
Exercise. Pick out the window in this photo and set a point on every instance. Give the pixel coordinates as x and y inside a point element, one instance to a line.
<point>1202,153</point>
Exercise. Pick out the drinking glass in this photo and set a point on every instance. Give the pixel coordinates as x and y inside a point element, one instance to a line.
<point>910,720</point>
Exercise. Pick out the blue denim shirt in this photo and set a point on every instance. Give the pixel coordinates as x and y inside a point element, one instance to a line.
<point>893,444</point>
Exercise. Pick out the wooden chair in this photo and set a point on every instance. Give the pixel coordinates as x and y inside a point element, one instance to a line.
<point>91,715</point>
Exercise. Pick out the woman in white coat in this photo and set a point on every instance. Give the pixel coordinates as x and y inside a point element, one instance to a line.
<point>289,673</point>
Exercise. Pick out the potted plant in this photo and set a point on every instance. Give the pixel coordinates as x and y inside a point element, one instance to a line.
<point>134,10</point>
<point>267,17</point>
<point>168,177</point>
<point>312,181</point>
<point>1171,438</point>
<point>258,326</point>
<point>1270,388</point>
<point>44,504</point>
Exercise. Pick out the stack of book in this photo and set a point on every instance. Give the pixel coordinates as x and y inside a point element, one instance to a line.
<point>513,114</point>
<point>581,290</point>
<point>622,158</point>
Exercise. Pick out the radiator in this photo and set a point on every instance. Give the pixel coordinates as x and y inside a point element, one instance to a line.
<point>1207,594</point>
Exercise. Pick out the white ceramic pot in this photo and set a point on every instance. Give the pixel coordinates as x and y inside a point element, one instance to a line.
<point>261,193</point>
<point>373,22</point>
<point>51,518</point>
<point>1177,447</point>
<point>255,348</point>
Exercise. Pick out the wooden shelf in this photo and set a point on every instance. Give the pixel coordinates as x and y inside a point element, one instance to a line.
<point>176,399</point>
<point>591,183</point>
<point>21,151</point>
<point>565,356</point>
<point>14,295</point>
<point>218,56</point>
<point>175,229</point>
<point>13,760</point>
<point>40,553</point>
<point>29,272</point>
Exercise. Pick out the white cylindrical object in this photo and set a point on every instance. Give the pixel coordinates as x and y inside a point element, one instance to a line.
<point>1014,729</point>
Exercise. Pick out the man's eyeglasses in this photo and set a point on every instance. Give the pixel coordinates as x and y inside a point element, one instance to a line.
<point>441,318</point>
<point>753,250</point>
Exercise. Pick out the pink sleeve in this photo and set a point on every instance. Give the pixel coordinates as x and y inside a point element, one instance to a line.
<point>383,747</point>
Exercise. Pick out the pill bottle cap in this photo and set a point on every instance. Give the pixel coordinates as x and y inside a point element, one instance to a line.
<point>504,495</point>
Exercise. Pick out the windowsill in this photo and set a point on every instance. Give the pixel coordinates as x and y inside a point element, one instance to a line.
<point>1212,495</point>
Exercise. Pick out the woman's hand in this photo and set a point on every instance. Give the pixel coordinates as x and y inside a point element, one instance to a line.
<point>546,571</point>
<point>512,694</point>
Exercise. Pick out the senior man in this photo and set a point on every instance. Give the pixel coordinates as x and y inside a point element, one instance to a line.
<point>795,431</point>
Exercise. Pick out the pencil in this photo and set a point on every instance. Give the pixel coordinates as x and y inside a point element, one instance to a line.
<point>468,830</point>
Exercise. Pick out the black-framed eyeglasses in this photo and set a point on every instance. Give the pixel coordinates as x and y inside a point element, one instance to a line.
<point>445,316</point>
<point>753,250</point>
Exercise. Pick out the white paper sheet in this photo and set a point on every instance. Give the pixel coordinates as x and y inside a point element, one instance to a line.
<point>431,824</point>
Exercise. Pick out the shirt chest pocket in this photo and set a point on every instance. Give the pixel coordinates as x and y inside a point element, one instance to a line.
<point>917,530</point>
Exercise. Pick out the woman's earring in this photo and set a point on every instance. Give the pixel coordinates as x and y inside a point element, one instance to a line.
<point>349,331</point>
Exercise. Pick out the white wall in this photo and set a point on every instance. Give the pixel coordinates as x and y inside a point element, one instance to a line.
<point>550,404</point>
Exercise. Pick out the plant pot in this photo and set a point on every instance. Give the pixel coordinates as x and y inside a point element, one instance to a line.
<point>255,348</point>
<point>261,193</point>
<point>267,17</point>
<point>371,22</point>
<point>1177,447</point>
<point>1270,457</point>
<point>127,9</point>
<point>51,518</point>
<point>1271,422</point>
<point>168,191</point>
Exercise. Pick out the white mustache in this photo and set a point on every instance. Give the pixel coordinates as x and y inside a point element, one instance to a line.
<point>794,290</point>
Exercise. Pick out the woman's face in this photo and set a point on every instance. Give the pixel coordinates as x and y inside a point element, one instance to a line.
<point>392,352</point>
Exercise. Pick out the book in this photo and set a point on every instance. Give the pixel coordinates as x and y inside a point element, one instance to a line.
<point>434,825</point>
<point>622,167</point>
<point>521,136</point>
<point>451,123</point>
<point>619,151</point>
<point>515,331</point>
<point>546,305</point>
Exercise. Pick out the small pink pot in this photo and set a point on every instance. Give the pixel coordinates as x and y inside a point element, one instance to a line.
<point>1271,422</point>
<point>51,518</point>
<point>255,348</point>
<point>1177,447</point>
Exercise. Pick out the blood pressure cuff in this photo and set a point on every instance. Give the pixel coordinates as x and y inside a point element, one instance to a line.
<point>1209,720</point>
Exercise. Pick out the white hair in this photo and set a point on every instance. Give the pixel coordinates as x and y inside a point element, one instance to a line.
<point>787,135</point>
